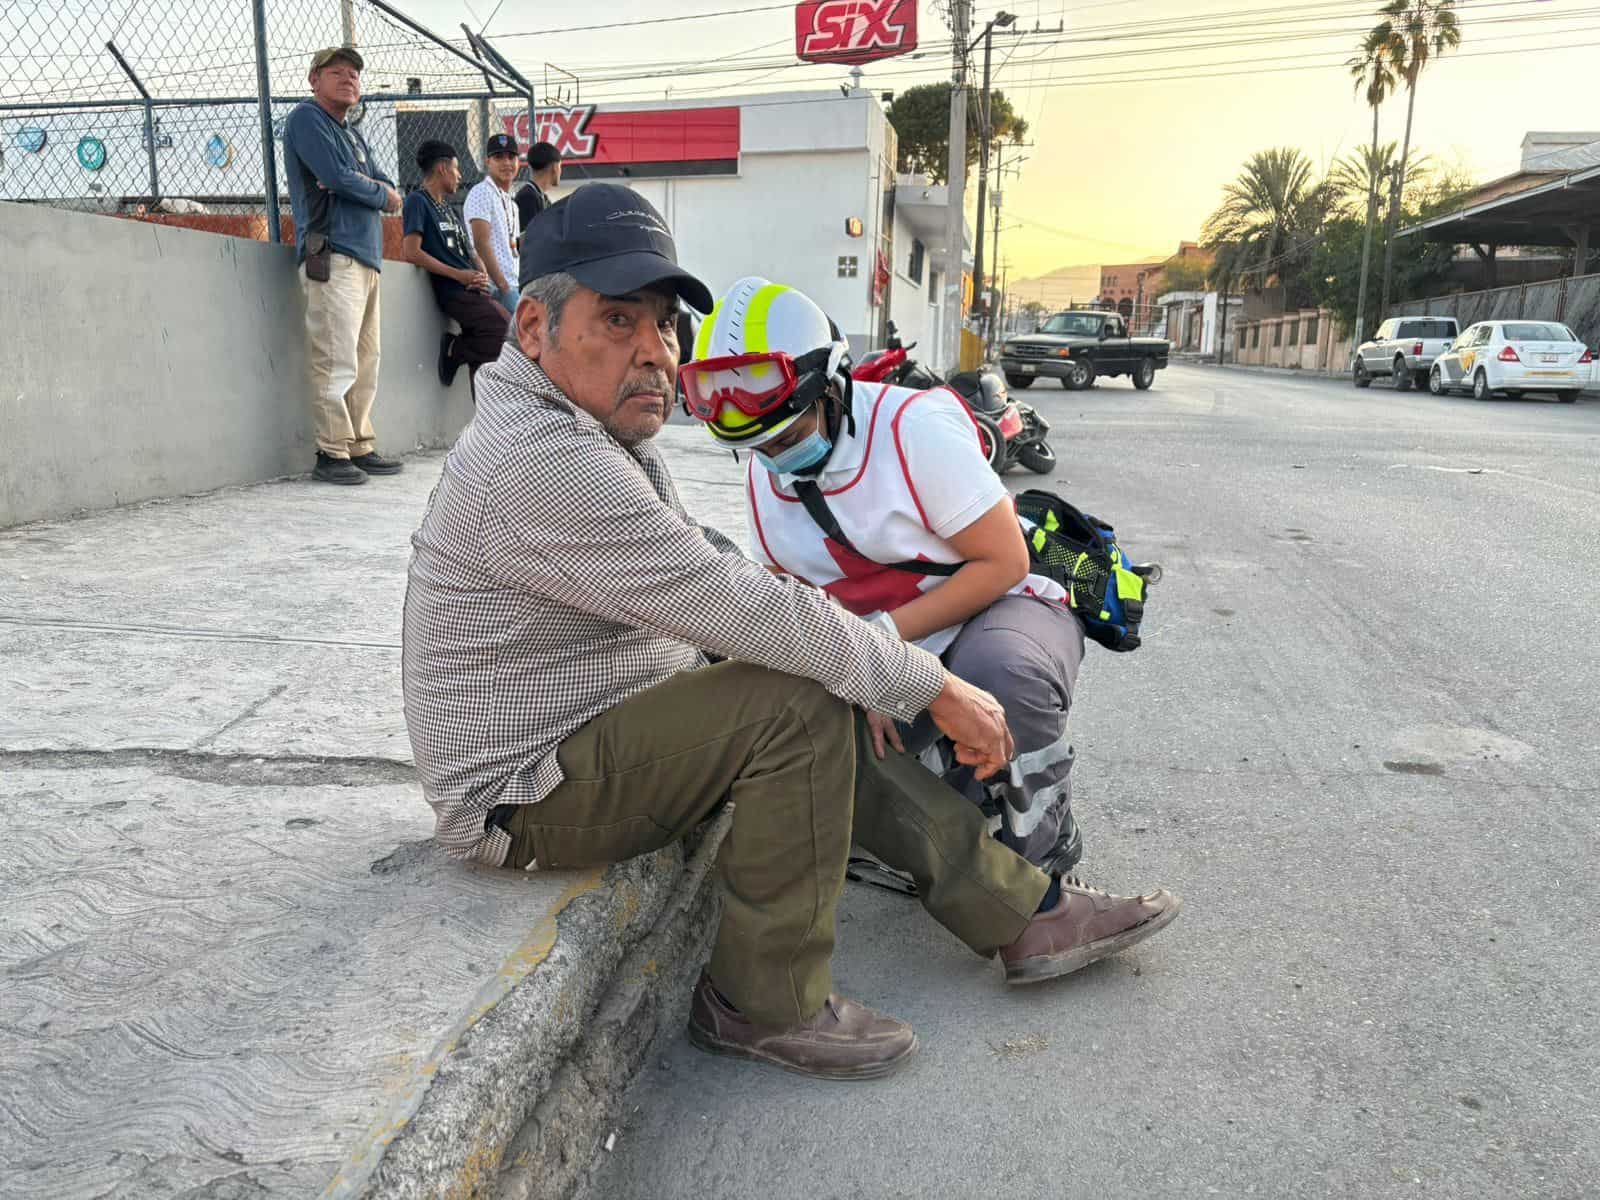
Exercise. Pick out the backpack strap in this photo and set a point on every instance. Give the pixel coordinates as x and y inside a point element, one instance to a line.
<point>811,496</point>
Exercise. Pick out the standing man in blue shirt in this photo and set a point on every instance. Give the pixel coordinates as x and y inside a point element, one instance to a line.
<point>339,195</point>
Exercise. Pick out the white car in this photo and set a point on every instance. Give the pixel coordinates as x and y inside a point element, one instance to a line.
<point>1514,357</point>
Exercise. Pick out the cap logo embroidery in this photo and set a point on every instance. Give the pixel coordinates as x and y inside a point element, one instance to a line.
<point>642,220</point>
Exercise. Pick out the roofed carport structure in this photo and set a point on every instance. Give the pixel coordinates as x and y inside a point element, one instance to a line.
<point>1564,211</point>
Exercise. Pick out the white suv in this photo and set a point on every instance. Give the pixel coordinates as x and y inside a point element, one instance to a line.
<point>1403,349</point>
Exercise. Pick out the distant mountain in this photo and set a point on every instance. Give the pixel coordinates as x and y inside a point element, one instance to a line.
<point>1059,288</point>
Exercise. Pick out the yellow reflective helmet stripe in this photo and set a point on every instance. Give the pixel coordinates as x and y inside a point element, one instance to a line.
<point>755,321</point>
<point>755,325</point>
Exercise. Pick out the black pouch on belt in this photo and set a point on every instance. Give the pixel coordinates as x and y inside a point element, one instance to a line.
<point>319,258</point>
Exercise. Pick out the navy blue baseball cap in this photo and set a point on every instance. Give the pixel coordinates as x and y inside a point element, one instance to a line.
<point>501,143</point>
<point>610,239</point>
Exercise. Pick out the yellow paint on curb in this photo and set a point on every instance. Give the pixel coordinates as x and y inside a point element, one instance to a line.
<point>409,1091</point>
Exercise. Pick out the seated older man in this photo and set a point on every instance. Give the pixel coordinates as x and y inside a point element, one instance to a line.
<point>561,608</point>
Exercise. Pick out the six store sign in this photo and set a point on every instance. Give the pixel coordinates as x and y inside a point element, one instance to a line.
<point>585,134</point>
<point>854,31</point>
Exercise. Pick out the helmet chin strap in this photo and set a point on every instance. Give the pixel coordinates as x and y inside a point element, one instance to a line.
<point>845,402</point>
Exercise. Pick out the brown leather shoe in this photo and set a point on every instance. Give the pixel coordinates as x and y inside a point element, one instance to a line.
<point>845,1040</point>
<point>1084,927</point>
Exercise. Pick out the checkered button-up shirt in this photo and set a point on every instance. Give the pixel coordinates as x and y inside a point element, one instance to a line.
<point>555,575</point>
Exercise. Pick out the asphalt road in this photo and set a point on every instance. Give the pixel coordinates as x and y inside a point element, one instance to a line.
<point>1359,741</point>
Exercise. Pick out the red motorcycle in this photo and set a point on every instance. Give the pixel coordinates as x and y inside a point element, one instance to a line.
<point>1010,432</point>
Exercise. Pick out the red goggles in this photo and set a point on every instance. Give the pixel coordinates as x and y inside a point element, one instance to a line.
<point>755,384</point>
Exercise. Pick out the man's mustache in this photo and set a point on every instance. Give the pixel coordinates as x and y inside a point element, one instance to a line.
<point>658,383</point>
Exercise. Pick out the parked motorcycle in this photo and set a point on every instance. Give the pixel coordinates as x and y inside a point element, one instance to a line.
<point>1011,432</point>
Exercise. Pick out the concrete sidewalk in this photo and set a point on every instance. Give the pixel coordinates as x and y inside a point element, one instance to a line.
<point>234,963</point>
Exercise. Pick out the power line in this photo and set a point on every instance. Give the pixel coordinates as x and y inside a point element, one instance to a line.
<point>726,12</point>
<point>1156,73</point>
<point>1299,35</point>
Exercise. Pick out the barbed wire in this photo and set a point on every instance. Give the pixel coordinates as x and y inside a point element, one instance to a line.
<point>125,106</point>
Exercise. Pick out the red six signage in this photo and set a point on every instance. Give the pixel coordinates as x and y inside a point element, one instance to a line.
<point>564,128</point>
<point>854,31</point>
<point>610,137</point>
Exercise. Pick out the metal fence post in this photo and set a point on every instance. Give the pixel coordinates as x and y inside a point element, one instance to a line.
<point>269,151</point>
<point>149,121</point>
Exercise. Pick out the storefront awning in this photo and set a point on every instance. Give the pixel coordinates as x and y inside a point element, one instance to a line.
<point>1558,213</point>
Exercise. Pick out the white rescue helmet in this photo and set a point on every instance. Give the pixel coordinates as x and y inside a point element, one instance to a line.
<point>763,357</point>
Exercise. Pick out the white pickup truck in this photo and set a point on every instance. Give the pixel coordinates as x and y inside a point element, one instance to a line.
<point>1403,349</point>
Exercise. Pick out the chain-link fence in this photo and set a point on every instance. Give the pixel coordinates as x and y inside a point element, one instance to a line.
<point>139,107</point>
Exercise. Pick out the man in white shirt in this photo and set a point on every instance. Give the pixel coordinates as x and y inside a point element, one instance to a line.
<point>492,219</point>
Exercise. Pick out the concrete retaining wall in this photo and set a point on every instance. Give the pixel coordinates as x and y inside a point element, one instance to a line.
<point>139,362</point>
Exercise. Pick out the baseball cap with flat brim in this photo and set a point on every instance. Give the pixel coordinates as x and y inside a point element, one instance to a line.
<point>610,239</point>
<point>323,57</point>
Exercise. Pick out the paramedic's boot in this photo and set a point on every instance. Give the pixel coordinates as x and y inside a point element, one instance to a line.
<point>845,1040</point>
<point>1068,848</point>
<point>1085,926</point>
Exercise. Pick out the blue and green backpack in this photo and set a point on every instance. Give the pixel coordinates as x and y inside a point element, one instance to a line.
<point>1078,551</point>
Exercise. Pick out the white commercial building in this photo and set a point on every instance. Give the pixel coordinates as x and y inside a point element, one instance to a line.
<point>798,187</point>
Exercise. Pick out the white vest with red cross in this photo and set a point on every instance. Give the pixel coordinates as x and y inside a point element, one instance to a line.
<point>911,475</point>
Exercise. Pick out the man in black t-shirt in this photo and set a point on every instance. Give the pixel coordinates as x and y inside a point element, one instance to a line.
<point>544,161</point>
<point>436,241</point>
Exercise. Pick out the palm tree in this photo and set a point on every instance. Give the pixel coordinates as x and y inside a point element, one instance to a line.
<point>1274,194</point>
<point>1356,177</point>
<point>1412,33</point>
<point>1375,80</point>
<point>1353,178</point>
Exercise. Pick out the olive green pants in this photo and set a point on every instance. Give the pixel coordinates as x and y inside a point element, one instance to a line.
<point>799,767</point>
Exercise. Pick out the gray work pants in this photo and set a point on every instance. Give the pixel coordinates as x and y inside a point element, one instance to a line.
<point>1026,653</point>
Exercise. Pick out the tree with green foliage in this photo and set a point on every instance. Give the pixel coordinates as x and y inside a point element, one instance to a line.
<point>1185,275</point>
<point>1412,34</point>
<point>1353,178</point>
<point>1333,277</point>
<point>1274,204</point>
<point>921,120</point>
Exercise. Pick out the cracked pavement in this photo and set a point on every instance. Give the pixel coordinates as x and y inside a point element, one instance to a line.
<point>231,959</point>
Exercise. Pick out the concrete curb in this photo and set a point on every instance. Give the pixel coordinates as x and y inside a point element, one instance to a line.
<point>535,1077</point>
<point>559,1147</point>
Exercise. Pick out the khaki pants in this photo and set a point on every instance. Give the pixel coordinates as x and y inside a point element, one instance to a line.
<point>798,765</point>
<point>342,336</point>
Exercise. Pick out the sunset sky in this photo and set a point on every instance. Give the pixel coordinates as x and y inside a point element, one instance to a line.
<point>1141,110</point>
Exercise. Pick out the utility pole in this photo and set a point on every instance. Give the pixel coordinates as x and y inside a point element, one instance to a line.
<point>986,134</point>
<point>1222,322</point>
<point>347,21</point>
<point>955,186</point>
<point>991,317</point>
<point>1366,254</point>
<point>979,304</point>
<point>1001,168</point>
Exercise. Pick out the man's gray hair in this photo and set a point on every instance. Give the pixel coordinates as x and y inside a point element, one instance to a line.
<point>553,291</point>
